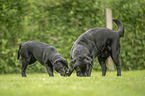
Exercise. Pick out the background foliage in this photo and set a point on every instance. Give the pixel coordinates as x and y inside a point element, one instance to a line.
<point>60,22</point>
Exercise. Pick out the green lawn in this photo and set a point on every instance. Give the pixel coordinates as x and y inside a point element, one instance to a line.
<point>131,83</point>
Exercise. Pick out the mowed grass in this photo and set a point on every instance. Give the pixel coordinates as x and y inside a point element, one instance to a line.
<point>131,83</point>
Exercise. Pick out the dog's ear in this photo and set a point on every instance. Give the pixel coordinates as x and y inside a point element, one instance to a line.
<point>89,60</point>
<point>72,63</point>
<point>57,60</point>
<point>65,62</point>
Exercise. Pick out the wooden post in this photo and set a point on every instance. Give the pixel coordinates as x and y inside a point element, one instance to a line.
<point>109,25</point>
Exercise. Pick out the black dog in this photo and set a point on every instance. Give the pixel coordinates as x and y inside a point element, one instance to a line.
<point>96,42</point>
<point>47,55</point>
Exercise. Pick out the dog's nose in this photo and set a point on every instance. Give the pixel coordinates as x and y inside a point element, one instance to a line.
<point>67,73</point>
<point>86,74</point>
<point>62,74</point>
<point>83,75</point>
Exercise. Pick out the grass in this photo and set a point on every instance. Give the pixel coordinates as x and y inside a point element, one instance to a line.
<point>131,83</point>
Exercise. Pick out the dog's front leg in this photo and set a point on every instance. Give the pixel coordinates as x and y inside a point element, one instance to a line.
<point>103,65</point>
<point>49,69</point>
<point>90,69</point>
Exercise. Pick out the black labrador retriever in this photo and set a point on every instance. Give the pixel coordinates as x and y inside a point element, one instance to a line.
<point>96,42</point>
<point>47,55</point>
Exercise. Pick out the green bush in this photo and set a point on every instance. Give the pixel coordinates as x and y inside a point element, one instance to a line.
<point>60,23</point>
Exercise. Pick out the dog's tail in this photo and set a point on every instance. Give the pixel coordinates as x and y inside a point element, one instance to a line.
<point>120,26</point>
<point>18,54</point>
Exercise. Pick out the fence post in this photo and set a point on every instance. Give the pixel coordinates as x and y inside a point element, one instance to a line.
<point>109,25</point>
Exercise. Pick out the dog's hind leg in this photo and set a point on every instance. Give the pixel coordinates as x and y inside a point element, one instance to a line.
<point>23,68</point>
<point>26,60</point>
<point>103,64</point>
<point>116,56</point>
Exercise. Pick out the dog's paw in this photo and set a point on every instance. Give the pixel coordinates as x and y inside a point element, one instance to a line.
<point>118,74</point>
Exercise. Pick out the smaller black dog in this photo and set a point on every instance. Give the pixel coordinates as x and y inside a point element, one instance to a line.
<point>47,55</point>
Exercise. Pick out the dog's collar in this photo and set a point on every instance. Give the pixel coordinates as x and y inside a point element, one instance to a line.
<point>57,60</point>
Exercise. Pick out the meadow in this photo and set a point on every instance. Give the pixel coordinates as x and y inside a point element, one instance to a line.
<point>131,83</point>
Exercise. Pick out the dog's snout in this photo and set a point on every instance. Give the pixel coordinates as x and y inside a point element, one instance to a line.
<point>83,75</point>
<point>64,72</point>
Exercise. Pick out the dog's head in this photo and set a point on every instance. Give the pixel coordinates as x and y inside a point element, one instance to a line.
<point>82,65</point>
<point>61,66</point>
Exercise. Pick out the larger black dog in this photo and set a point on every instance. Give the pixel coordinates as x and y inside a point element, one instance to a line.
<point>100,42</point>
<point>47,55</point>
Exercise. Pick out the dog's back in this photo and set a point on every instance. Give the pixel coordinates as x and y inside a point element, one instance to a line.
<point>98,37</point>
<point>34,48</point>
